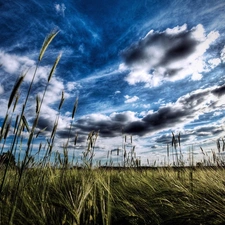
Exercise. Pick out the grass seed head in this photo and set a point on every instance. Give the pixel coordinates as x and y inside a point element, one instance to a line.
<point>62,100</point>
<point>37,104</point>
<point>74,108</point>
<point>7,130</point>
<point>15,89</point>
<point>54,66</point>
<point>46,43</point>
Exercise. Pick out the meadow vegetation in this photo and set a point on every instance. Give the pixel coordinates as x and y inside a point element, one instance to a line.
<point>47,188</point>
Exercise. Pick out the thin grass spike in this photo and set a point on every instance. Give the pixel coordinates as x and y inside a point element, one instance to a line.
<point>54,66</point>
<point>223,148</point>
<point>17,119</point>
<point>7,130</point>
<point>4,124</point>
<point>15,88</point>
<point>62,100</point>
<point>46,43</point>
<point>173,139</point>
<point>75,141</point>
<point>37,104</point>
<point>179,139</point>
<point>16,101</point>
<point>74,108</point>
<point>25,123</point>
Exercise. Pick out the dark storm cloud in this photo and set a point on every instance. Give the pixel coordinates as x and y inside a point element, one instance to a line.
<point>208,130</point>
<point>176,46</point>
<point>167,139</point>
<point>204,129</point>
<point>186,109</point>
<point>172,55</point>
<point>218,130</point>
<point>66,134</point>
<point>136,128</point>
<point>164,139</point>
<point>106,128</point>
<point>45,123</point>
<point>219,91</point>
<point>121,118</point>
<point>165,115</point>
<point>194,99</point>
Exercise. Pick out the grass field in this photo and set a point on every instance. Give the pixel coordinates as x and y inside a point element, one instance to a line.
<point>126,196</point>
<point>36,190</point>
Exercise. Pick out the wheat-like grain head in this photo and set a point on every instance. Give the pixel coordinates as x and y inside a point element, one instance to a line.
<point>46,43</point>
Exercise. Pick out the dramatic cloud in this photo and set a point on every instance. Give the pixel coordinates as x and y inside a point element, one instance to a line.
<point>185,110</point>
<point>180,62</point>
<point>169,55</point>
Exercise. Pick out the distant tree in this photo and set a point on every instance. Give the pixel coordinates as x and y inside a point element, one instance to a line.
<point>7,158</point>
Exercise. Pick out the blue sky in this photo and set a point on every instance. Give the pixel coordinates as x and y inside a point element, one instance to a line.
<point>144,68</point>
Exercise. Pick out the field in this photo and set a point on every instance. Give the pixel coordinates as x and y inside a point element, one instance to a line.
<point>42,186</point>
<point>125,196</point>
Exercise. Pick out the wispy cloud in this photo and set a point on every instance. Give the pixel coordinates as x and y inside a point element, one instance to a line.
<point>169,55</point>
<point>60,8</point>
<point>130,99</point>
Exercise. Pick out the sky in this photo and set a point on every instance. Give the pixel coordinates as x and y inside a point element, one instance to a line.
<point>144,68</point>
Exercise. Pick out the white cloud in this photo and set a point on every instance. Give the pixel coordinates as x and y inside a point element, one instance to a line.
<point>71,85</point>
<point>175,30</point>
<point>138,76</point>
<point>147,106</point>
<point>117,92</point>
<point>122,67</point>
<point>170,55</point>
<point>130,99</point>
<point>95,117</point>
<point>60,8</point>
<point>214,62</point>
<point>54,91</point>
<point>196,76</point>
<point>14,64</point>
<point>217,113</point>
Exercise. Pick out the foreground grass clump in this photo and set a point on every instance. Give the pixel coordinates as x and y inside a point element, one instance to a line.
<point>162,196</point>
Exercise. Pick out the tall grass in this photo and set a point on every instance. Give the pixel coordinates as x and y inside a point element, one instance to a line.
<point>115,197</point>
